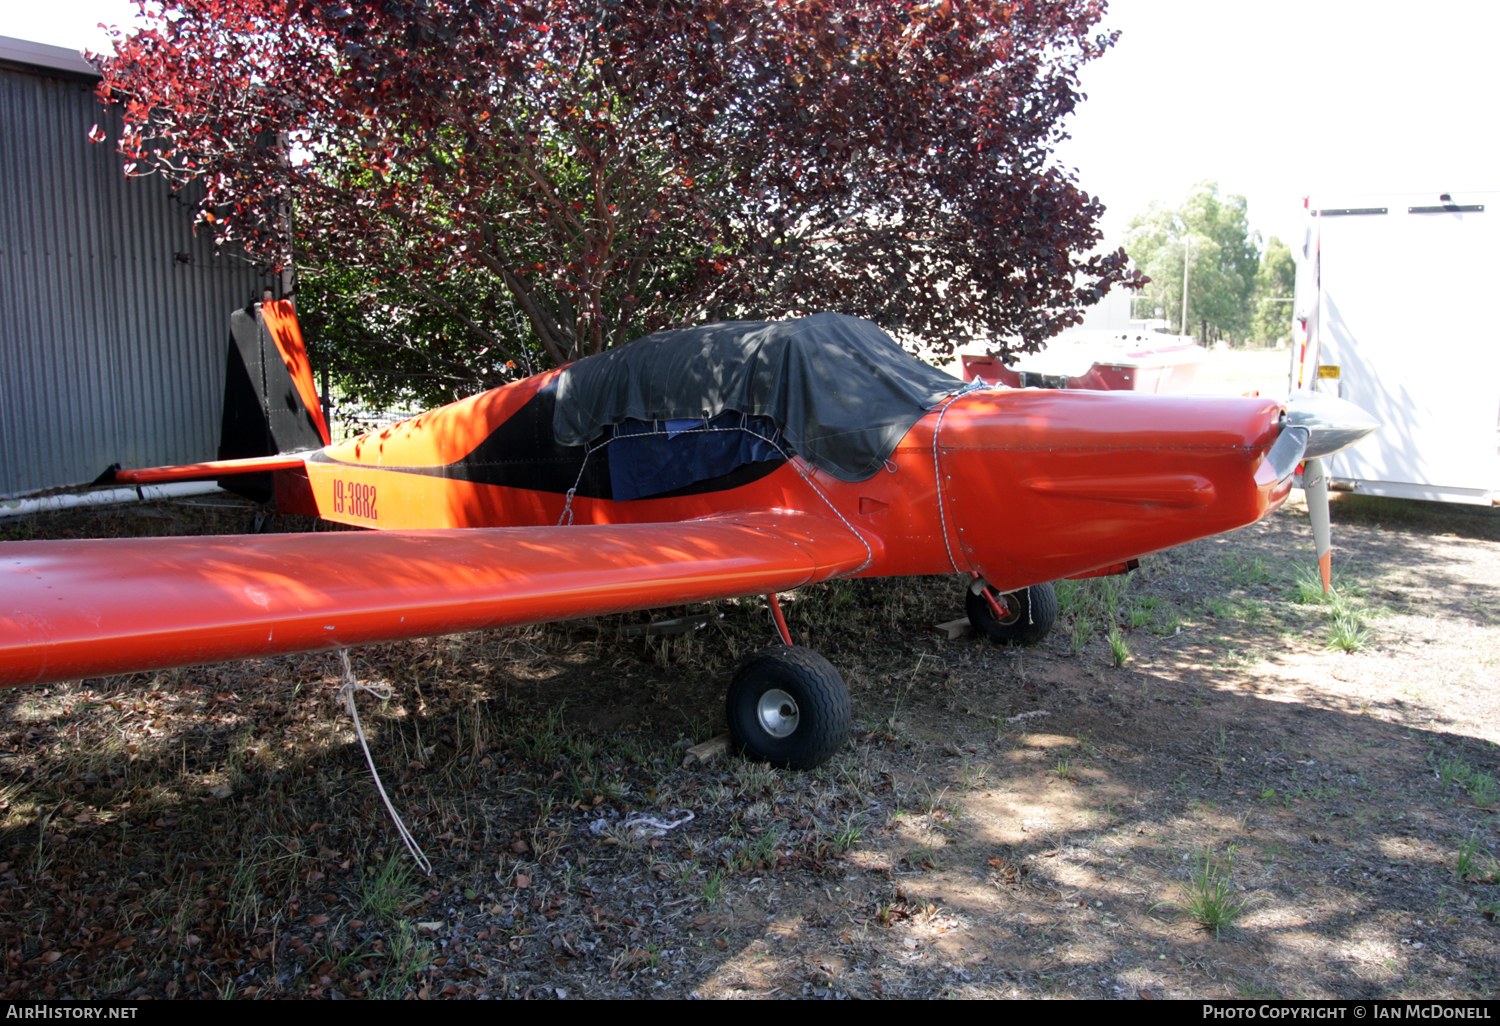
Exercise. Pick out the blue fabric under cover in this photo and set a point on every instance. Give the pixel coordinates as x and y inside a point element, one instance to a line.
<point>650,457</point>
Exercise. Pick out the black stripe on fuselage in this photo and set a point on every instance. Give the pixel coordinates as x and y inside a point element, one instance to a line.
<point>524,453</point>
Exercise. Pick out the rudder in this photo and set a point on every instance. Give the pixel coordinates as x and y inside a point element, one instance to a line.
<point>270,402</point>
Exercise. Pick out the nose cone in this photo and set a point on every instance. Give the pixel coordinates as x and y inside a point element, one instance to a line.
<point>1333,424</point>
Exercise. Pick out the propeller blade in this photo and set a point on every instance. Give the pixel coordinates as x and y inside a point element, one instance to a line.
<point>1281,462</point>
<point>1332,425</point>
<point>1315,487</point>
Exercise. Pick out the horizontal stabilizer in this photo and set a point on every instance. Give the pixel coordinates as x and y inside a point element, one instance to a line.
<point>203,471</point>
<point>76,609</point>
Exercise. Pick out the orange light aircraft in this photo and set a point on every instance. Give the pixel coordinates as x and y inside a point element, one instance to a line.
<point>704,463</point>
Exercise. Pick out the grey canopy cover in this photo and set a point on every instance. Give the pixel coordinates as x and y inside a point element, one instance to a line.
<point>839,388</point>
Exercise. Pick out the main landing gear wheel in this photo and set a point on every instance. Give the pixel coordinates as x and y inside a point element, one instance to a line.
<point>1029,614</point>
<point>789,707</point>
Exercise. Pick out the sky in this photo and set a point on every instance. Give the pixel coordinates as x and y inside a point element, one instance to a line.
<point>1274,99</point>
<point>1279,99</point>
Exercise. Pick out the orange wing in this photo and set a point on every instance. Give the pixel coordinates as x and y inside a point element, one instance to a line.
<point>76,609</point>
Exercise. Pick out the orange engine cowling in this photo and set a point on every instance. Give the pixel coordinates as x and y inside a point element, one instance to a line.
<point>1044,484</point>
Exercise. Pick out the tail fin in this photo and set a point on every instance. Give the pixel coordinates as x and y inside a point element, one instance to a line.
<point>270,403</point>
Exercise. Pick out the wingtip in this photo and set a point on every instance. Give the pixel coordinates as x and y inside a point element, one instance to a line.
<point>1325,567</point>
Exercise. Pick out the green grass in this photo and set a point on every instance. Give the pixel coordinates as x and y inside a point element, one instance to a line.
<point>407,956</point>
<point>925,857</point>
<point>1209,897</point>
<point>1113,606</point>
<point>273,867</point>
<point>1481,787</point>
<point>1070,597</point>
<point>1349,633</point>
<point>542,738</point>
<point>1348,629</point>
<point>1106,603</point>
<point>713,887</point>
<point>1247,572</point>
<point>1466,858</point>
<point>1454,769</point>
<point>1309,587</point>
<point>1220,608</point>
<point>763,850</point>
<point>848,835</point>
<point>389,888</point>
<point>1083,627</point>
<point>1141,612</point>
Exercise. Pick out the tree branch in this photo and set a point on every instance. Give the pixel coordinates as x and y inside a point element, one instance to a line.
<point>488,336</point>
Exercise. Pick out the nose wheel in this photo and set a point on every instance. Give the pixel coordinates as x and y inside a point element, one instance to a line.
<point>788,706</point>
<point>1022,617</point>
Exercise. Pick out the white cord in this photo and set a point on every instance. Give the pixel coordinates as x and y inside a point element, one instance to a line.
<point>650,826</point>
<point>1027,715</point>
<point>976,385</point>
<point>382,692</point>
<point>937,472</point>
<point>643,826</point>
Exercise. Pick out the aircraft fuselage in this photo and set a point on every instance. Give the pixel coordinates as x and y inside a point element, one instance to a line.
<point>1019,485</point>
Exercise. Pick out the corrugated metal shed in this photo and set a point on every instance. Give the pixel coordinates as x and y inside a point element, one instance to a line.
<point>113,315</point>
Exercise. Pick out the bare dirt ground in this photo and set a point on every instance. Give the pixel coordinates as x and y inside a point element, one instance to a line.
<point>1003,822</point>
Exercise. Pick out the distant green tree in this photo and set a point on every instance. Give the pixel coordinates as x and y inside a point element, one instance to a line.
<point>1222,251</point>
<point>1274,285</point>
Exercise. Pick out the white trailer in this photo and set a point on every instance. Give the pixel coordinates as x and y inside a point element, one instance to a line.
<point>1394,313</point>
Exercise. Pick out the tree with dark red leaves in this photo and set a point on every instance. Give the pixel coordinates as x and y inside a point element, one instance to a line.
<point>560,176</point>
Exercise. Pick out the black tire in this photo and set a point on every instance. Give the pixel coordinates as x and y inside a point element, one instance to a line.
<point>788,706</point>
<point>1035,613</point>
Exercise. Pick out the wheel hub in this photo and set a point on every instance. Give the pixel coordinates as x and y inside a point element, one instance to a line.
<point>1007,608</point>
<point>777,712</point>
<point>1011,604</point>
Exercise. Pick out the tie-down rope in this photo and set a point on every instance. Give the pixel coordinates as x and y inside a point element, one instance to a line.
<point>384,693</point>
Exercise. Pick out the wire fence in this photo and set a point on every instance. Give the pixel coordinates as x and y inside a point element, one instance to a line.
<point>349,418</point>
<point>351,421</point>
